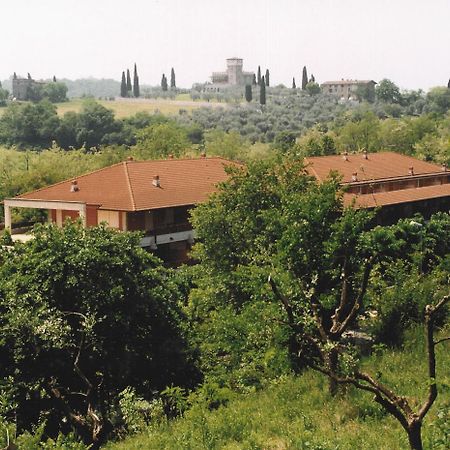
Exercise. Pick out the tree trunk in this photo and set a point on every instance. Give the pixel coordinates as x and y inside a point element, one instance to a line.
<point>414,435</point>
<point>332,366</point>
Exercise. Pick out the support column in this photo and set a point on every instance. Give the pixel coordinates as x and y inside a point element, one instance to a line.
<point>7,217</point>
<point>82,215</point>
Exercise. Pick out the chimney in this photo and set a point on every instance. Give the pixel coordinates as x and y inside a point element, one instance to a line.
<point>444,167</point>
<point>411,170</point>
<point>203,155</point>
<point>156,181</point>
<point>130,158</point>
<point>345,156</point>
<point>74,186</point>
<point>171,156</point>
<point>365,155</point>
<point>355,176</point>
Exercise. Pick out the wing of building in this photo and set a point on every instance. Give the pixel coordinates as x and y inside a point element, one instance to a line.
<point>150,196</point>
<point>397,184</point>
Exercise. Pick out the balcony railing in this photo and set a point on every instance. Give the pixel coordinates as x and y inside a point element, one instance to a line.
<point>169,229</point>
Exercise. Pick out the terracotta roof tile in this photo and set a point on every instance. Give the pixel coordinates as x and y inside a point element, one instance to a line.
<point>127,186</point>
<point>377,166</point>
<point>396,197</point>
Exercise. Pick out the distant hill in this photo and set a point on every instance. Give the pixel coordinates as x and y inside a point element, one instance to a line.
<point>85,87</point>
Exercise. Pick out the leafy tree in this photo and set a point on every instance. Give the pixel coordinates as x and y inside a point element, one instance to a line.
<point>438,100</point>
<point>304,78</point>
<point>55,92</point>
<point>29,125</point>
<point>312,88</point>
<point>273,233</point>
<point>388,92</point>
<point>84,314</point>
<point>230,145</point>
<point>136,90</point>
<point>248,93</point>
<point>172,79</point>
<point>129,85</point>
<point>366,92</point>
<point>4,94</point>
<point>262,92</point>
<point>267,77</point>
<point>161,140</point>
<point>294,86</point>
<point>259,76</point>
<point>123,86</point>
<point>94,122</point>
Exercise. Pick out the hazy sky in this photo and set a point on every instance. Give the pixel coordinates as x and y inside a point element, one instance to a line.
<point>407,41</point>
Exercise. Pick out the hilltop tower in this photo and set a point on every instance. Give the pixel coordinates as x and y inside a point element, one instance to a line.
<point>234,71</point>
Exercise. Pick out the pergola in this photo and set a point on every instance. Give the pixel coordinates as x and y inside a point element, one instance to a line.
<point>42,204</point>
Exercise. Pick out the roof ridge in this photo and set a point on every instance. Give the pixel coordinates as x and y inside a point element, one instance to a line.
<point>130,189</point>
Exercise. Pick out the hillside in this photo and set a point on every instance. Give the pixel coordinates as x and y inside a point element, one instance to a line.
<point>298,413</point>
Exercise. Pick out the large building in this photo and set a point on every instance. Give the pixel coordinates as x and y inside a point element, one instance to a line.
<point>233,76</point>
<point>149,196</point>
<point>347,89</point>
<point>398,185</point>
<point>23,88</point>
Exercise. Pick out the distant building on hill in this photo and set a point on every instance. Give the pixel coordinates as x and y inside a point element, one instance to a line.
<point>23,88</point>
<point>346,89</point>
<point>233,76</point>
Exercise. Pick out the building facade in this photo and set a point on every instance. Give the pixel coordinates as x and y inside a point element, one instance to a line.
<point>396,185</point>
<point>153,197</point>
<point>347,89</point>
<point>23,88</point>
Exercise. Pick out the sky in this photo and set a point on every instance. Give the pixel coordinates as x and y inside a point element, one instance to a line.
<point>407,41</point>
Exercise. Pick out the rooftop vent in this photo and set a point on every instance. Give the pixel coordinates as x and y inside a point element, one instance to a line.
<point>130,158</point>
<point>444,167</point>
<point>203,155</point>
<point>365,155</point>
<point>74,186</point>
<point>411,170</point>
<point>156,181</point>
<point>355,176</point>
<point>171,156</point>
<point>345,156</point>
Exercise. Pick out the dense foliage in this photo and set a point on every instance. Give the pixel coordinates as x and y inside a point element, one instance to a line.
<point>83,315</point>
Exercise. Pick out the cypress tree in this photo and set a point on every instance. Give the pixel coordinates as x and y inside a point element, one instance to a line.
<point>248,93</point>
<point>312,79</point>
<point>294,86</point>
<point>15,76</point>
<point>304,78</point>
<point>448,84</point>
<point>136,90</point>
<point>259,76</point>
<point>123,86</point>
<point>129,87</point>
<point>267,77</point>
<point>172,79</point>
<point>262,92</point>
<point>254,80</point>
<point>54,79</point>
<point>164,82</point>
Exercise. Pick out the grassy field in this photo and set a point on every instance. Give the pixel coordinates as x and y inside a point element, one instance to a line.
<point>298,413</point>
<point>128,107</point>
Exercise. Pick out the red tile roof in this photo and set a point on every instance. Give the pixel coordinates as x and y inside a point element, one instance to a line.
<point>127,186</point>
<point>396,197</point>
<point>377,166</point>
